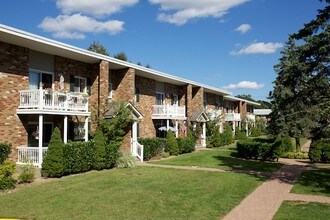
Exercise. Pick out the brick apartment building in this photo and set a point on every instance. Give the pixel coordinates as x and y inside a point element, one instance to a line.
<point>46,84</point>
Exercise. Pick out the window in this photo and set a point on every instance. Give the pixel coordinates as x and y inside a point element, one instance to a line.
<point>160,98</point>
<point>37,77</point>
<point>80,84</point>
<point>137,94</point>
<point>175,100</point>
<point>78,130</point>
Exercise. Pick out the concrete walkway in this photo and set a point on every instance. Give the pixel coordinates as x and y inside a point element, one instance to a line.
<point>264,201</point>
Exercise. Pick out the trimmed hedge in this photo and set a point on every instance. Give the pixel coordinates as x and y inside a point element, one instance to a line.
<point>152,147</point>
<point>319,151</point>
<point>254,149</point>
<point>5,149</point>
<point>186,145</point>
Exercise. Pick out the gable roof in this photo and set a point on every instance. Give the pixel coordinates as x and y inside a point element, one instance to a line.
<point>199,116</point>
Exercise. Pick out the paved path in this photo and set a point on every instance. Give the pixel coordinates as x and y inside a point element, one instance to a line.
<point>264,201</point>
<point>267,198</point>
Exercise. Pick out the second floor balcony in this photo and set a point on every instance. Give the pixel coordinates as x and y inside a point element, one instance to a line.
<point>251,118</point>
<point>169,112</point>
<point>233,117</point>
<point>52,102</point>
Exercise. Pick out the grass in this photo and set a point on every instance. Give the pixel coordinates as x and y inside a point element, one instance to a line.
<point>220,158</point>
<point>315,182</point>
<point>302,210</point>
<point>136,193</point>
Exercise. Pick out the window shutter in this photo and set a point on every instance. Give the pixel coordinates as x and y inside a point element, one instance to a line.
<point>89,86</point>
<point>71,83</point>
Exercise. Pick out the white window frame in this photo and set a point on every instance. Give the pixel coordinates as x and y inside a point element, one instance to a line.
<point>74,86</point>
<point>162,94</point>
<point>40,76</point>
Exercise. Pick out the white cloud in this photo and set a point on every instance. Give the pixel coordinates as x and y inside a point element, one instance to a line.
<point>258,48</point>
<point>244,85</point>
<point>243,28</point>
<point>94,7</point>
<point>74,26</point>
<point>185,10</point>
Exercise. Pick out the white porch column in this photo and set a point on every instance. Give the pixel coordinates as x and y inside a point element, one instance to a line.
<point>86,129</point>
<point>204,134</point>
<point>234,128</point>
<point>65,132</point>
<point>221,127</point>
<point>167,124</point>
<point>247,129</point>
<point>176,129</point>
<point>41,123</point>
<point>240,125</point>
<point>134,138</point>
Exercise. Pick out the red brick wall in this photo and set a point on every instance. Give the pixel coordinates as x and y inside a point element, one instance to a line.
<point>13,78</point>
<point>123,84</point>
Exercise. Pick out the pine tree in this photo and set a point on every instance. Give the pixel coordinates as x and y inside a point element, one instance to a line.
<point>301,95</point>
<point>53,161</point>
<point>99,157</point>
<point>171,143</point>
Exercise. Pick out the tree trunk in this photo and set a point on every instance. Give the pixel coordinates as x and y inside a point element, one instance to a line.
<point>297,144</point>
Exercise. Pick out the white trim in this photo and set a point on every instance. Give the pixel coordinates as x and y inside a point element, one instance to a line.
<point>50,112</point>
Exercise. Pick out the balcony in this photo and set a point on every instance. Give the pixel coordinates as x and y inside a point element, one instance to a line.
<point>233,117</point>
<point>52,102</point>
<point>251,118</point>
<point>213,114</point>
<point>169,112</point>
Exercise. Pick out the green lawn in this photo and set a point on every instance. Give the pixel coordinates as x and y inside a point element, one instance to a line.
<point>219,158</point>
<point>302,210</point>
<point>137,193</point>
<point>315,182</point>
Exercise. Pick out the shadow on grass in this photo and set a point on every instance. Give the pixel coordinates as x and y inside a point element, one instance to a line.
<point>236,163</point>
<point>316,180</point>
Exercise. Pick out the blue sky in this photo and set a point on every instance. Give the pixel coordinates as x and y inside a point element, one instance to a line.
<point>231,44</point>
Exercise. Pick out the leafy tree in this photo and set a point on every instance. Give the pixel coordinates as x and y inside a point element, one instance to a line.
<point>263,104</point>
<point>53,163</point>
<point>121,56</point>
<point>246,96</point>
<point>301,96</point>
<point>96,47</point>
<point>99,157</point>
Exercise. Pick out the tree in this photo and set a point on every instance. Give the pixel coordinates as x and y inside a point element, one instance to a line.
<point>171,143</point>
<point>301,89</point>
<point>121,56</point>
<point>263,104</point>
<point>99,157</point>
<point>53,163</point>
<point>96,47</point>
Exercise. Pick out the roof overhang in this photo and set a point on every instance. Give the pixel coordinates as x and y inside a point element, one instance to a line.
<point>38,43</point>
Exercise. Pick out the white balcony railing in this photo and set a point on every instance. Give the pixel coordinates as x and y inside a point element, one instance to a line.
<point>57,101</point>
<point>29,155</point>
<point>169,112</point>
<point>233,117</point>
<point>213,114</point>
<point>251,118</point>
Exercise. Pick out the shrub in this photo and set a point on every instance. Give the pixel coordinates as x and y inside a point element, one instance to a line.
<point>240,134</point>
<point>186,145</point>
<point>227,136</point>
<point>295,155</point>
<point>215,139</point>
<point>257,150</point>
<point>53,163</point>
<point>79,157</point>
<point>171,144</point>
<point>112,154</point>
<point>27,174</point>
<point>320,151</point>
<point>7,169</point>
<point>255,132</point>
<point>152,147</point>
<point>165,154</point>
<point>126,160</point>
<point>5,149</point>
<point>99,155</point>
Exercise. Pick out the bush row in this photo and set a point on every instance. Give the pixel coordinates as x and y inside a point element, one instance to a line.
<point>76,157</point>
<point>155,147</point>
<point>319,151</point>
<point>258,149</point>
